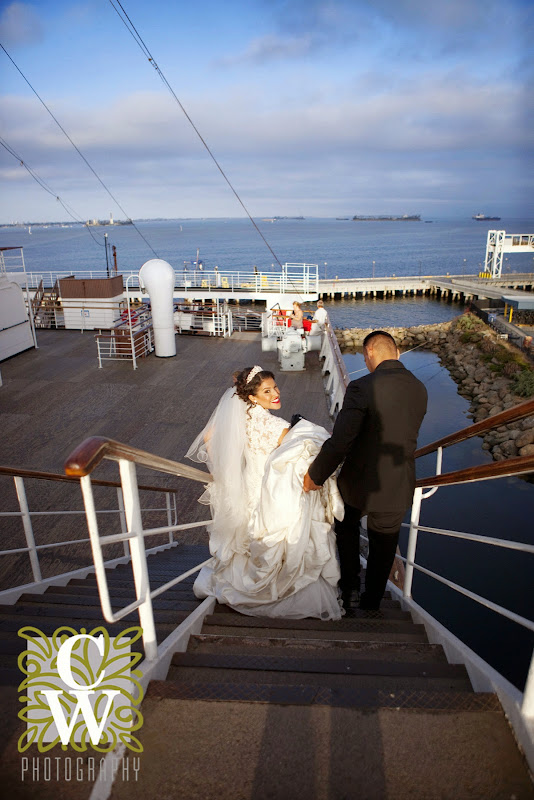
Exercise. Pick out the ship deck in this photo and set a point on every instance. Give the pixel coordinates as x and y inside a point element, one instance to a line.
<point>54,397</point>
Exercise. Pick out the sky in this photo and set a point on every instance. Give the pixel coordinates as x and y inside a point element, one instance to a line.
<point>321,108</point>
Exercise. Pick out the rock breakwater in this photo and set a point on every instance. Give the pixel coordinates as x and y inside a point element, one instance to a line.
<point>491,374</point>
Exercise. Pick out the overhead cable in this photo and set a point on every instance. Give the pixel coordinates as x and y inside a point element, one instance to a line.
<point>146,52</point>
<point>79,152</point>
<point>47,188</point>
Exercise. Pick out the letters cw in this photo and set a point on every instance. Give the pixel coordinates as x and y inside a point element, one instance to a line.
<point>82,693</point>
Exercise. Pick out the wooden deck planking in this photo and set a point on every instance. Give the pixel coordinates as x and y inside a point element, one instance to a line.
<point>54,397</point>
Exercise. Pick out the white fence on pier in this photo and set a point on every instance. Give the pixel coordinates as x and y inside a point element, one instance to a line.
<point>291,279</point>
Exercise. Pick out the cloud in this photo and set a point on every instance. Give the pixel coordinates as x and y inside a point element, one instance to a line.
<point>426,115</point>
<point>272,47</point>
<point>20,24</point>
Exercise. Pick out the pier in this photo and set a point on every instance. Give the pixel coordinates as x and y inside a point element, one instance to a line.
<point>462,288</point>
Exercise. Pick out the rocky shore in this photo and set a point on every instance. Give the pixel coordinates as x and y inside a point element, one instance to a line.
<point>490,373</point>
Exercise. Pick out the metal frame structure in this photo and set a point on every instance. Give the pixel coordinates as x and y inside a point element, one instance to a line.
<point>499,242</point>
<point>292,279</point>
<point>32,549</point>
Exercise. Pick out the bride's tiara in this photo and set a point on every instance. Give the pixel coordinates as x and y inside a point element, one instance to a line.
<point>253,372</point>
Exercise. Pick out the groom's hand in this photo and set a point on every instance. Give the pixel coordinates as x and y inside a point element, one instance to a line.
<point>308,484</point>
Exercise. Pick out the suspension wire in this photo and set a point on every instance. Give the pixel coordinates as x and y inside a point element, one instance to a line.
<point>146,52</point>
<point>79,152</point>
<point>415,369</point>
<point>354,372</point>
<point>47,188</point>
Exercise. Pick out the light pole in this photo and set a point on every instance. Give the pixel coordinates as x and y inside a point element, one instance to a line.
<point>373,270</point>
<point>107,259</point>
<point>325,270</point>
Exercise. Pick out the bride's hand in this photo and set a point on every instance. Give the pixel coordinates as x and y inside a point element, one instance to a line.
<point>308,485</point>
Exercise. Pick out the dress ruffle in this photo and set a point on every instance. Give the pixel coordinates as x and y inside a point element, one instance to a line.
<point>286,565</point>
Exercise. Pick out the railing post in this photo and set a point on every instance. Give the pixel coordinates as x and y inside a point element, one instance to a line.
<point>28,529</point>
<point>137,547</point>
<point>169,516</point>
<point>412,541</point>
<point>527,707</point>
<point>122,517</point>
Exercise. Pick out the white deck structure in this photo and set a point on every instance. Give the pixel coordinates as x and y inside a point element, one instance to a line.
<point>500,242</point>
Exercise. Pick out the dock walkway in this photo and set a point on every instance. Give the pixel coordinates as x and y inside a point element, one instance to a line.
<point>456,287</point>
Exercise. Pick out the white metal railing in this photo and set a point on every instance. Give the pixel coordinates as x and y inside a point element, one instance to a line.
<point>130,338</point>
<point>411,565</point>
<point>216,319</point>
<point>337,380</point>
<point>334,369</point>
<point>81,463</point>
<point>245,320</point>
<point>521,465</point>
<point>26,516</point>
<point>292,278</point>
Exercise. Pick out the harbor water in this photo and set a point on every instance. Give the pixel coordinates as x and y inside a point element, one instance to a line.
<point>503,508</point>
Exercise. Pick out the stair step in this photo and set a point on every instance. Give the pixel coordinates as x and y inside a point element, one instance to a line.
<point>386,606</point>
<point>390,682</point>
<point>369,621</point>
<point>168,563</point>
<point>319,664</point>
<point>415,633</point>
<point>11,625</point>
<point>72,611</point>
<point>185,603</point>
<point>363,697</point>
<point>179,551</point>
<point>171,571</point>
<point>80,617</point>
<point>176,592</point>
<point>127,582</point>
<point>9,676</point>
<point>311,648</point>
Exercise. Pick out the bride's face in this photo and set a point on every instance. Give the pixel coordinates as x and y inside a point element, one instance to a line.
<point>268,395</point>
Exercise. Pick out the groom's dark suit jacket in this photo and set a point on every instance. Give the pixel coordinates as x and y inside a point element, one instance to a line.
<point>376,435</point>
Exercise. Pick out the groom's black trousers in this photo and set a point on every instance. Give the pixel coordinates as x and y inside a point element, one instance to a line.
<point>383,531</point>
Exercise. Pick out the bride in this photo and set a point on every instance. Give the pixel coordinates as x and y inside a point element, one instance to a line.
<point>273,545</point>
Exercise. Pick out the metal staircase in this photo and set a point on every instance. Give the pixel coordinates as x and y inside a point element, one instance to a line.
<point>45,306</point>
<point>239,667</point>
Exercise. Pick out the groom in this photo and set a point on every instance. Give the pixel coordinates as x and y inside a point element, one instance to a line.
<point>376,435</point>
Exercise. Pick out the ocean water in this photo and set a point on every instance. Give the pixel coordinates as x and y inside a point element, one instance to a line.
<point>501,508</point>
<point>341,248</point>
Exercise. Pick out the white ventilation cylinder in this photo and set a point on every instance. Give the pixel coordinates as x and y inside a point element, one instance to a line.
<point>157,277</point>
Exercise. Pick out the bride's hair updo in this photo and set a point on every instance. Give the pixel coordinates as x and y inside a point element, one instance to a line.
<point>244,388</point>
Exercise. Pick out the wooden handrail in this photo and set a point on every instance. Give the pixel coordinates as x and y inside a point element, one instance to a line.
<point>15,472</point>
<point>83,460</point>
<point>510,415</point>
<point>521,465</point>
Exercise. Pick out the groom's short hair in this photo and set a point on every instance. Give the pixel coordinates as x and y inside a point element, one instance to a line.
<point>382,339</point>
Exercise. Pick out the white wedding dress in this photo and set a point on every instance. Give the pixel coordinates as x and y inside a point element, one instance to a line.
<point>273,545</point>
